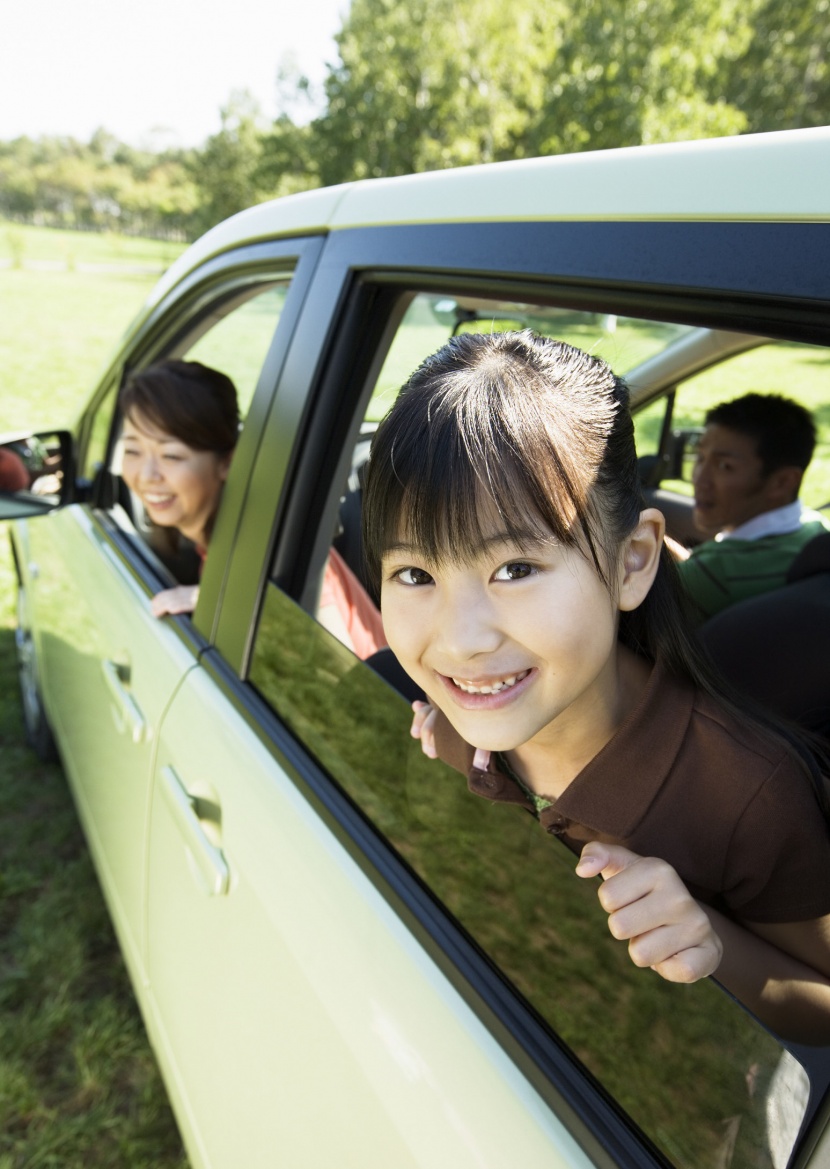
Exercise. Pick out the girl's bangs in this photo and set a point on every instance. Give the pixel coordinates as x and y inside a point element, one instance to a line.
<point>448,502</point>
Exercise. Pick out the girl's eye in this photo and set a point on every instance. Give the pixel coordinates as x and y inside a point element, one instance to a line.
<point>514,570</point>
<point>413,576</point>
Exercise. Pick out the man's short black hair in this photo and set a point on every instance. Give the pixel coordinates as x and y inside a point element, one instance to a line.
<point>784,432</point>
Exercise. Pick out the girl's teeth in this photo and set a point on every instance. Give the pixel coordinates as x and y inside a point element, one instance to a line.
<point>494,688</point>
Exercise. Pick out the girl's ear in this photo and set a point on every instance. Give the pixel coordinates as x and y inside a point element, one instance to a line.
<point>641,559</point>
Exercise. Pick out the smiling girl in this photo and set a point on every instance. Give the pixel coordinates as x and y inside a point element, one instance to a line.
<point>528,592</point>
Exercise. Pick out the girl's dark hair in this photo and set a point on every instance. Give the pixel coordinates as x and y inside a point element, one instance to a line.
<point>542,433</point>
<point>191,401</point>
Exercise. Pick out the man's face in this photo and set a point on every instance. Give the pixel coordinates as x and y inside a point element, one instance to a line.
<point>730,487</point>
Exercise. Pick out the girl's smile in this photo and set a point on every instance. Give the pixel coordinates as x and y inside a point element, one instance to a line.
<point>499,690</point>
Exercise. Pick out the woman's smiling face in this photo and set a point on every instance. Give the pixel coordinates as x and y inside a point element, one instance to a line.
<point>518,645</point>
<point>180,487</point>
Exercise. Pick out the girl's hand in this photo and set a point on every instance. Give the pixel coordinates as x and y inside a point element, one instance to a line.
<point>650,907</point>
<point>181,599</point>
<point>423,727</point>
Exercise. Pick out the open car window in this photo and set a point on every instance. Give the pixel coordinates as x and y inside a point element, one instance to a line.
<point>234,335</point>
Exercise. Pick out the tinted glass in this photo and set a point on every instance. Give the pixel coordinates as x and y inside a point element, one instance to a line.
<point>706,1083</point>
<point>690,1067</point>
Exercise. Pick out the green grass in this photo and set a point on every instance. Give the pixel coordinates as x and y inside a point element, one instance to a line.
<point>21,244</point>
<point>79,1086</point>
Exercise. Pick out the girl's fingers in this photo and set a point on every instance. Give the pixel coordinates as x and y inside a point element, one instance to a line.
<point>683,952</point>
<point>420,712</point>
<point>423,727</point>
<point>650,908</point>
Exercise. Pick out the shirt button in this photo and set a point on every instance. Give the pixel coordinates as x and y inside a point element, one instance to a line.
<point>556,826</point>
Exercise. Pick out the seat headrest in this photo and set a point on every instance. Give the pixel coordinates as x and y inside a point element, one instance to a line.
<point>812,559</point>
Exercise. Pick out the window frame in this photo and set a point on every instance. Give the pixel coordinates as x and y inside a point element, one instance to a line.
<point>175,321</point>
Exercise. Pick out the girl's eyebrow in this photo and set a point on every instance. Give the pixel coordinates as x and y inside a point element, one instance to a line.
<point>528,539</point>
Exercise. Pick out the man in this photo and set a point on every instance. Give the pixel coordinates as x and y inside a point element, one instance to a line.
<point>751,459</point>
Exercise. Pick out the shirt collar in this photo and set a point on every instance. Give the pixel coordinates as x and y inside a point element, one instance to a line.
<point>613,793</point>
<point>778,522</point>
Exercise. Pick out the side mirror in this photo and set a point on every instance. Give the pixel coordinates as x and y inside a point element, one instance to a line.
<point>36,473</point>
<point>682,453</point>
<point>675,461</point>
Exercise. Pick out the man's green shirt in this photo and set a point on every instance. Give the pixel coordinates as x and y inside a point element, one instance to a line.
<point>721,572</point>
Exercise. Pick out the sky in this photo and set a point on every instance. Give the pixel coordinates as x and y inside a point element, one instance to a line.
<point>156,72</point>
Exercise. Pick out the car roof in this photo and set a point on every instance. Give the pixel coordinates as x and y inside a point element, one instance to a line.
<point>742,178</point>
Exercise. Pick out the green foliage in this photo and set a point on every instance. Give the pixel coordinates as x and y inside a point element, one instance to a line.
<point>101,185</point>
<point>782,79</point>
<point>448,83</point>
<point>224,171</point>
<point>455,83</point>
<point>444,84</point>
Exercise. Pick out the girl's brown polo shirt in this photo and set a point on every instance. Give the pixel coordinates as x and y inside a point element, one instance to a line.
<point>732,812</point>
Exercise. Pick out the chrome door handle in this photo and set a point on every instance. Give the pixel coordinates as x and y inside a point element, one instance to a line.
<point>211,866</point>
<point>132,719</point>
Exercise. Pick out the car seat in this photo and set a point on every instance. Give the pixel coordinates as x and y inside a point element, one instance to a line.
<point>776,647</point>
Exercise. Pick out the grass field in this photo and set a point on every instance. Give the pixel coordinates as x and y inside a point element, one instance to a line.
<point>79,1088</point>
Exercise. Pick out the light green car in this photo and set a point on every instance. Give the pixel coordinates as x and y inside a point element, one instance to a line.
<point>342,959</point>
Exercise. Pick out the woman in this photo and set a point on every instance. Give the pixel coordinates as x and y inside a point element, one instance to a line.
<point>181,422</point>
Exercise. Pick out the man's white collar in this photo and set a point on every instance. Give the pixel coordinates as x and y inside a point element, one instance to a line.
<point>778,522</point>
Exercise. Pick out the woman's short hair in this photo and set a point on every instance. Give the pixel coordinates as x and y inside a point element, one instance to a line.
<point>194,403</point>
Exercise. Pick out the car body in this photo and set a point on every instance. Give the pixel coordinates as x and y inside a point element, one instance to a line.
<point>341,957</point>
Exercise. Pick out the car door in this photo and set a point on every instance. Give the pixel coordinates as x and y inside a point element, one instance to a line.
<point>109,666</point>
<point>336,926</point>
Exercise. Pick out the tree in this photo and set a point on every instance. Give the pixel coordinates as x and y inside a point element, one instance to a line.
<point>225,171</point>
<point>443,83</point>
<point>451,82</point>
<point>782,80</point>
<point>630,74</point>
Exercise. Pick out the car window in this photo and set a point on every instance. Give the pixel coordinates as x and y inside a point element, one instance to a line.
<point>232,334</point>
<point>687,1065</point>
<point>238,341</point>
<point>792,369</point>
